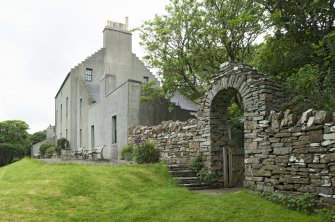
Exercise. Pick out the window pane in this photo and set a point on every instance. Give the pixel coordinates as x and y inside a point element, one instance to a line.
<point>89,74</point>
<point>92,137</point>
<point>114,131</point>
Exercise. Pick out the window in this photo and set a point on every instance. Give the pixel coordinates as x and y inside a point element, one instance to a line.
<point>145,79</point>
<point>66,134</point>
<point>89,75</point>
<point>92,136</point>
<point>114,130</point>
<point>80,106</point>
<point>61,113</point>
<point>56,118</point>
<point>80,138</point>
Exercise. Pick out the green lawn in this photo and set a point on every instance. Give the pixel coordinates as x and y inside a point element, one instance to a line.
<point>34,191</point>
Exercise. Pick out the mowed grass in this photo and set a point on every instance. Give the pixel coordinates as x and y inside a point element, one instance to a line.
<point>34,191</point>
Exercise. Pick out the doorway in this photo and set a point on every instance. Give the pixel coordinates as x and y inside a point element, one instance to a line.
<point>227,137</point>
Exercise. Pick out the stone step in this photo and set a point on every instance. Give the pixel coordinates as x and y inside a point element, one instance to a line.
<point>195,186</point>
<point>187,180</point>
<point>177,167</point>
<point>182,173</point>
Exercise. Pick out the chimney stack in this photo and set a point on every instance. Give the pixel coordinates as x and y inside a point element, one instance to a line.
<point>126,22</point>
<point>117,37</point>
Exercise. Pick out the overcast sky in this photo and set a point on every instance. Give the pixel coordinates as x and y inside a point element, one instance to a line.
<point>41,40</point>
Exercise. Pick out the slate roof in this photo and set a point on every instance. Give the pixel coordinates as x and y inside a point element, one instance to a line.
<point>183,102</point>
<point>93,92</point>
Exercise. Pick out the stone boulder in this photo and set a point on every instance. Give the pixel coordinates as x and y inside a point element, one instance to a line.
<point>289,119</point>
<point>321,117</point>
<point>310,121</point>
<point>305,116</point>
<point>275,118</point>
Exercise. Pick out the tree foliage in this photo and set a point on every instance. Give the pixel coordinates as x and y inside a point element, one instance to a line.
<point>301,51</point>
<point>189,42</point>
<point>151,93</point>
<point>14,140</point>
<point>38,136</point>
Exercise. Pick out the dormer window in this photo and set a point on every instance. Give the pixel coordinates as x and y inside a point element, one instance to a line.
<point>89,74</point>
<point>145,79</point>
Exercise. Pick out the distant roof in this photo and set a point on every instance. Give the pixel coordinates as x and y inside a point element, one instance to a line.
<point>93,91</point>
<point>183,102</point>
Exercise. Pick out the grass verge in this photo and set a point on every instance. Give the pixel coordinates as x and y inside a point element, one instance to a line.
<point>34,191</point>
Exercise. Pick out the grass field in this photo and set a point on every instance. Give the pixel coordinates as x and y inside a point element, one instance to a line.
<point>34,191</point>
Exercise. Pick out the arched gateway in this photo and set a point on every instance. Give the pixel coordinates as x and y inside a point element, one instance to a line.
<point>232,160</point>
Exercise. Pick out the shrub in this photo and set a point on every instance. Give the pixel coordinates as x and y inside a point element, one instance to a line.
<point>127,152</point>
<point>58,150</point>
<point>138,140</point>
<point>304,203</point>
<point>206,175</point>
<point>50,151</point>
<point>195,164</point>
<point>44,147</point>
<point>63,144</point>
<point>146,153</point>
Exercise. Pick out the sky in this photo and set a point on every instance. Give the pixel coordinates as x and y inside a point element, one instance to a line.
<point>41,40</point>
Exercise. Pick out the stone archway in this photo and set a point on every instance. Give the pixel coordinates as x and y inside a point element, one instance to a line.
<point>227,141</point>
<point>259,95</point>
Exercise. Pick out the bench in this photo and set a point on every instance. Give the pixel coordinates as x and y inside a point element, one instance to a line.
<point>96,151</point>
<point>78,154</point>
<point>86,154</point>
<point>37,155</point>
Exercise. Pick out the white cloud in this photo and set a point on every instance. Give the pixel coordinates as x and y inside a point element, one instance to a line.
<point>41,40</point>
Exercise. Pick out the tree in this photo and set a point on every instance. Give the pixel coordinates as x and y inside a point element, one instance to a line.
<point>151,93</point>
<point>300,53</point>
<point>188,43</point>
<point>38,136</point>
<point>14,140</point>
<point>235,25</point>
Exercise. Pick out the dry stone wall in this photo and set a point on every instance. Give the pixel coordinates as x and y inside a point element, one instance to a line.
<point>177,141</point>
<point>282,152</point>
<point>293,155</point>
